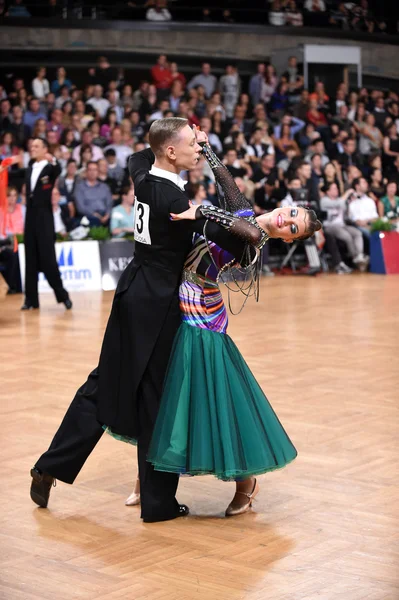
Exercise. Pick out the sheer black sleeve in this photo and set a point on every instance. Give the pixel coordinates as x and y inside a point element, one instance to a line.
<point>246,230</point>
<point>234,200</point>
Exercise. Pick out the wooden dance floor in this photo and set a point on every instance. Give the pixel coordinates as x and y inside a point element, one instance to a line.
<point>325,351</point>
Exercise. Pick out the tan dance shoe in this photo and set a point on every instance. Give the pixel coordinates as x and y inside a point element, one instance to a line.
<point>134,498</point>
<point>242,502</point>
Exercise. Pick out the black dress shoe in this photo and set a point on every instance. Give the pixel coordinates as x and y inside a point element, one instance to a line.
<point>68,304</point>
<point>182,511</point>
<point>28,306</point>
<point>40,487</point>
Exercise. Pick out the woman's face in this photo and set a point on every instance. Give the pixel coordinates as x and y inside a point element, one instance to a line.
<point>7,139</point>
<point>329,170</point>
<point>87,155</point>
<point>376,162</point>
<point>41,125</point>
<point>392,189</point>
<point>286,131</point>
<point>67,108</point>
<point>288,223</point>
<point>370,120</point>
<point>377,175</point>
<point>12,198</point>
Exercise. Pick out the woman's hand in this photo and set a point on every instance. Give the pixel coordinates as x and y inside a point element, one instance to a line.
<point>187,215</point>
<point>200,136</point>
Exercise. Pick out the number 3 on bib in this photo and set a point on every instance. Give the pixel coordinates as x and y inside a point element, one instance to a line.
<point>141,223</point>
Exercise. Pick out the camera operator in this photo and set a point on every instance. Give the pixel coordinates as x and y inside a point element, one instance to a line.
<point>299,196</point>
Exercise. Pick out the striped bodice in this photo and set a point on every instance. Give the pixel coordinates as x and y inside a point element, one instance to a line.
<point>201,302</point>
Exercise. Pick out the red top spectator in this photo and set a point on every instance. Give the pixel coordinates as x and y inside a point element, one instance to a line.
<point>161,75</point>
<point>315,116</point>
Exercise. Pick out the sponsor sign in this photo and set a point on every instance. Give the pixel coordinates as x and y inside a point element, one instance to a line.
<point>115,256</point>
<point>79,264</point>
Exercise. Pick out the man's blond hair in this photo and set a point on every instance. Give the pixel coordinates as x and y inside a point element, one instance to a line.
<point>164,132</point>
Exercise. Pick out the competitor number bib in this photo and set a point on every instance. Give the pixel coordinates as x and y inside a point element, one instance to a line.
<point>141,223</point>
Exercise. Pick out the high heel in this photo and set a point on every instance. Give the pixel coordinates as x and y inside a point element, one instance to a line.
<point>134,497</point>
<point>233,510</point>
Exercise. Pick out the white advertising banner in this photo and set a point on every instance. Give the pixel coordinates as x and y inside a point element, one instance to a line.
<point>79,264</point>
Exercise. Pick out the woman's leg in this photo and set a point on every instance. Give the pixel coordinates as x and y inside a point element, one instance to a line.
<point>246,490</point>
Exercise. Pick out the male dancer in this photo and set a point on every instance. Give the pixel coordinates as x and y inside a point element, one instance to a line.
<point>124,392</point>
<point>39,235</point>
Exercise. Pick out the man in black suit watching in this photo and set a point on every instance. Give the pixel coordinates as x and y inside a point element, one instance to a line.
<point>39,235</point>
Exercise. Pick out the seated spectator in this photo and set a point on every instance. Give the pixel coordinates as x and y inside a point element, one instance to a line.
<point>362,208</point>
<point>276,14</point>
<point>122,151</point>
<point>307,136</point>
<point>334,223</point>
<point>85,157</point>
<point>316,117</point>
<point>33,114</point>
<point>256,83</point>
<point>176,94</point>
<point>40,85</point>
<point>18,129</point>
<point>213,139</point>
<point>257,146</point>
<point>279,100</point>
<point>318,147</point>
<point>12,221</point>
<point>159,12</point>
<point>350,156</point>
<point>376,185</point>
<point>60,210</point>
<point>370,137</point>
<point>380,113</point>
<point>55,123</point>
<point>176,75</point>
<point>110,121</point>
<point>295,126</point>
<point>114,104</point>
<point>138,127</point>
<point>60,82</point>
<point>237,167</point>
<point>320,95</point>
<point>66,183</point>
<point>332,173</point>
<point>197,193</point>
<point>93,198</point>
<point>388,206</point>
<point>293,15</point>
<point>68,140</point>
<point>87,140</point>
<point>40,129</point>
<point>286,163</point>
<point>343,121</point>
<point>98,140</point>
<point>5,115</point>
<point>285,142</point>
<point>113,184</point>
<point>390,147</point>
<point>362,17</point>
<point>206,79</point>
<point>8,147</point>
<point>163,107</point>
<point>265,178</point>
<point>309,183</point>
<point>122,216</point>
<point>98,102</point>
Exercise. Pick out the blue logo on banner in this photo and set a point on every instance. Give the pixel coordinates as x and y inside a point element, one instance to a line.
<point>69,261</point>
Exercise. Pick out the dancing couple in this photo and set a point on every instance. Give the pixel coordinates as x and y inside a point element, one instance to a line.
<point>169,377</point>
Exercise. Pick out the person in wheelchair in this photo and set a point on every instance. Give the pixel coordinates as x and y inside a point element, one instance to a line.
<point>299,196</point>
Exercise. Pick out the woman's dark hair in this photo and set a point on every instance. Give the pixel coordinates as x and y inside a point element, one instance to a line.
<point>64,134</point>
<point>110,111</point>
<point>313,224</point>
<point>83,149</point>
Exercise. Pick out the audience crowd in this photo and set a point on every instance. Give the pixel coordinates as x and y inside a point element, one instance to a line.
<point>379,16</point>
<point>337,153</point>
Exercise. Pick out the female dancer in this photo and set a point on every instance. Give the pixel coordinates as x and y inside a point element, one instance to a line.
<point>214,418</point>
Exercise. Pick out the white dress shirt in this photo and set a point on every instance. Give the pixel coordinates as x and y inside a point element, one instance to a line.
<point>363,209</point>
<point>173,177</point>
<point>37,168</point>
<point>40,88</point>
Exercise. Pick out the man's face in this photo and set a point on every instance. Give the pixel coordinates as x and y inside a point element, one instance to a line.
<point>261,68</point>
<point>92,172</point>
<point>350,146</point>
<point>34,106</point>
<point>295,184</point>
<point>363,186</point>
<point>206,68</point>
<point>333,191</point>
<point>231,156</point>
<point>102,167</point>
<point>268,162</point>
<point>5,107</point>
<point>71,169</point>
<point>162,60</point>
<point>185,151</point>
<point>306,171</point>
<point>38,149</point>
<point>116,136</point>
<point>57,116</point>
<point>87,138</point>
<point>206,125</point>
<point>52,137</point>
<point>292,62</point>
<point>17,112</point>
<point>98,91</point>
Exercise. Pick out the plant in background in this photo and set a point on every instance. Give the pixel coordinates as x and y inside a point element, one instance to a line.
<point>382,225</point>
<point>100,234</point>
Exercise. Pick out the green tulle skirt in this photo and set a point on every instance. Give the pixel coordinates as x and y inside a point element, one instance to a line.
<point>214,417</point>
